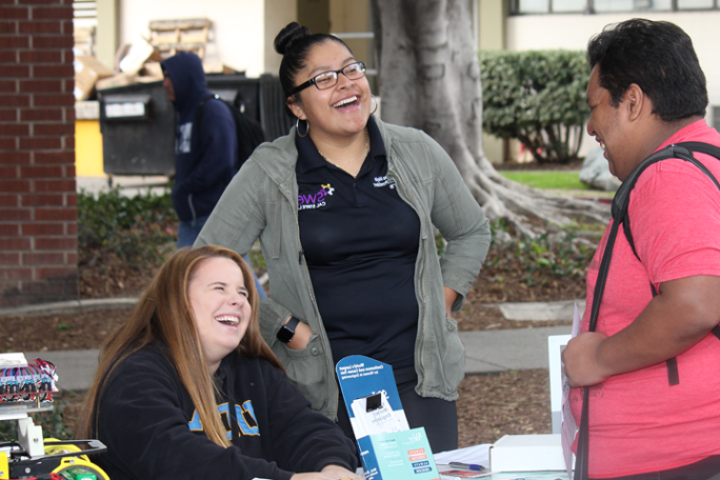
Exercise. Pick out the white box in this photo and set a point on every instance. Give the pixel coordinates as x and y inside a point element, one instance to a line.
<point>12,360</point>
<point>523,453</point>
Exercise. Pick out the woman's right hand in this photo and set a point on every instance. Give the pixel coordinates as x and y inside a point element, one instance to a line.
<point>313,476</point>
<point>330,472</point>
<point>302,335</point>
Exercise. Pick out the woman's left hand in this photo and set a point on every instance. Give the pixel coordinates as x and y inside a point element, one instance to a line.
<point>450,297</point>
<point>339,472</point>
<point>301,338</point>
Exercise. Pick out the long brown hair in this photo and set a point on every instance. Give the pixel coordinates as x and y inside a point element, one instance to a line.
<point>164,314</point>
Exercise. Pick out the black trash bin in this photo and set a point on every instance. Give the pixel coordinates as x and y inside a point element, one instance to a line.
<point>261,99</point>
<point>137,121</point>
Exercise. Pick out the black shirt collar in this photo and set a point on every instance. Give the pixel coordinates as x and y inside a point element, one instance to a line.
<point>309,158</point>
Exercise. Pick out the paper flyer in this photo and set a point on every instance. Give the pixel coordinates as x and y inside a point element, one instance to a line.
<point>569,427</point>
<point>388,449</point>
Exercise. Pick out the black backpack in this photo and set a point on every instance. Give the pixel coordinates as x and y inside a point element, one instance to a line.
<point>621,201</point>
<point>248,132</point>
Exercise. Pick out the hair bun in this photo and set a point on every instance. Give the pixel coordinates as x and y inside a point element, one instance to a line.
<point>289,35</point>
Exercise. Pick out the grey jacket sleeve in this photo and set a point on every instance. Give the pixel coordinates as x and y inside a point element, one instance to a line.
<point>236,223</point>
<point>461,222</point>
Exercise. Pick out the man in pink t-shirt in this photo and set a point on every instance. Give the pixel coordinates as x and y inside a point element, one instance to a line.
<point>647,91</point>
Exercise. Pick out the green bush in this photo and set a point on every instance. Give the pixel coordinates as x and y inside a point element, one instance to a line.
<point>137,231</point>
<point>543,258</point>
<point>537,97</point>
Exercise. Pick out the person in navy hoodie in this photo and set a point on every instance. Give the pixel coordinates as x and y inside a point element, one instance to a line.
<point>204,154</point>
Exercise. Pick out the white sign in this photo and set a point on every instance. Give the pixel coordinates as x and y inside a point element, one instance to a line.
<point>127,109</point>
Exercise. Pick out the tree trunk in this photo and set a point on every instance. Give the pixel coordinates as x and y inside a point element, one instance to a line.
<point>429,78</point>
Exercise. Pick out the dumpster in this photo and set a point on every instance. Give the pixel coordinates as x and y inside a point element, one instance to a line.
<point>262,99</point>
<point>137,121</point>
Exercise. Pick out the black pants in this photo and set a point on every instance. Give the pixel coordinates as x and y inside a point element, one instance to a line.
<point>706,469</point>
<point>439,417</point>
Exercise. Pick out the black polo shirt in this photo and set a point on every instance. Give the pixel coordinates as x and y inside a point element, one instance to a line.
<point>360,242</point>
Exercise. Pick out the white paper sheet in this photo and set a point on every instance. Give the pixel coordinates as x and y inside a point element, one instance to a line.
<point>380,420</point>
<point>569,427</point>
<point>479,454</point>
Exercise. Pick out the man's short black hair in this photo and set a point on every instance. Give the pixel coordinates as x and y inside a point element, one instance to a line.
<point>658,57</point>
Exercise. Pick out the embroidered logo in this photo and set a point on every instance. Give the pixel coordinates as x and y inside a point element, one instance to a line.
<point>317,200</point>
<point>379,182</point>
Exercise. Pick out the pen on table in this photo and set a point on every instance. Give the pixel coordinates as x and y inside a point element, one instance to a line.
<point>467,466</point>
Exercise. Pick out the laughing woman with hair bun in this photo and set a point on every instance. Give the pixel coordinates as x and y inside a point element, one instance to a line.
<point>345,208</point>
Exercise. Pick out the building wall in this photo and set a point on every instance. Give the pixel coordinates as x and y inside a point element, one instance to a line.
<point>106,36</point>
<point>492,25</point>
<point>533,32</point>
<point>237,33</point>
<point>38,213</point>
<point>88,149</point>
<point>353,17</point>
<point>278,13</point>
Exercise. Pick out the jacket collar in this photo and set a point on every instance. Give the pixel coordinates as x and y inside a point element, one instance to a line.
<point>309,157</point>
<point>279,158</point>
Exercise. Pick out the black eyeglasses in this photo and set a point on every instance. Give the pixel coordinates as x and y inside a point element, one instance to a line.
<point>325,80</point>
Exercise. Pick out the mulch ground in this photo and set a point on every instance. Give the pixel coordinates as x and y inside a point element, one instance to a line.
<point>506,403</point>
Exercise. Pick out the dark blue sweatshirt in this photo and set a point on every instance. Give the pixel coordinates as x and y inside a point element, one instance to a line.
<point>205,154</point>
<point>152,430</point>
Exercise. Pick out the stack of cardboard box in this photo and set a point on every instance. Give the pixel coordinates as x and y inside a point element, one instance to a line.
<point>138,62</point>
<point>135,63</point>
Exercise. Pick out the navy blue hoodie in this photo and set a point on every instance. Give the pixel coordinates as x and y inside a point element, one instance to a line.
<point>205,154</point>
<point>152,430</point>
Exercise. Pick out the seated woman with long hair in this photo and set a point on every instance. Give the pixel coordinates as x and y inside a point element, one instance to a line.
<point>187,388</point>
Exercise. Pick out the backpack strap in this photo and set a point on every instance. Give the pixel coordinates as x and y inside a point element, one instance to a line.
<point>199,110</point>
<point>620,216</point>
<point>683,151</point>
<point>582,456</point>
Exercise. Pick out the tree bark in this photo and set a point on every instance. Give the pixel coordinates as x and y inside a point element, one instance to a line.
<point>429,78</point>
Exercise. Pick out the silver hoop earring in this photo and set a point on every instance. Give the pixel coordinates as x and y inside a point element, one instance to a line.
<point>377,104</point>
<point>297,127</point>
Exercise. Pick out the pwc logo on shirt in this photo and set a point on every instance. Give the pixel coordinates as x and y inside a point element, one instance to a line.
<point>312,201</point>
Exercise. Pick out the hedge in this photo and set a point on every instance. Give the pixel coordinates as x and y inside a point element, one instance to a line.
<point>537,97</point>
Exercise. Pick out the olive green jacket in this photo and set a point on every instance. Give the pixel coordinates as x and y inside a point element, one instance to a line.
<point>262,202</point>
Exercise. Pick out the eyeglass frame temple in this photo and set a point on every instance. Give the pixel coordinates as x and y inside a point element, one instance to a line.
<point>312,81</point>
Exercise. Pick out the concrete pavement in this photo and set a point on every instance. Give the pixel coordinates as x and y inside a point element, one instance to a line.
<point>502,350</point>
<point>486,351</point>
<point>129,185</point>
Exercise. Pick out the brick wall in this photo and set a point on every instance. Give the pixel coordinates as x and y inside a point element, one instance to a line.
<point>38,213</point>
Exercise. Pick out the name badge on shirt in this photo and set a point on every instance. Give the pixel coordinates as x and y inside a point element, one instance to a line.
<point>379,182</point>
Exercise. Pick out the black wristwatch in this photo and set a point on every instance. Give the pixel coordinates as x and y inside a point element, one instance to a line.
<point>286,332</point>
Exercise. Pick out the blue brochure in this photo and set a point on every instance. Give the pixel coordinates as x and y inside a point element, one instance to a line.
<point>388,448</point>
